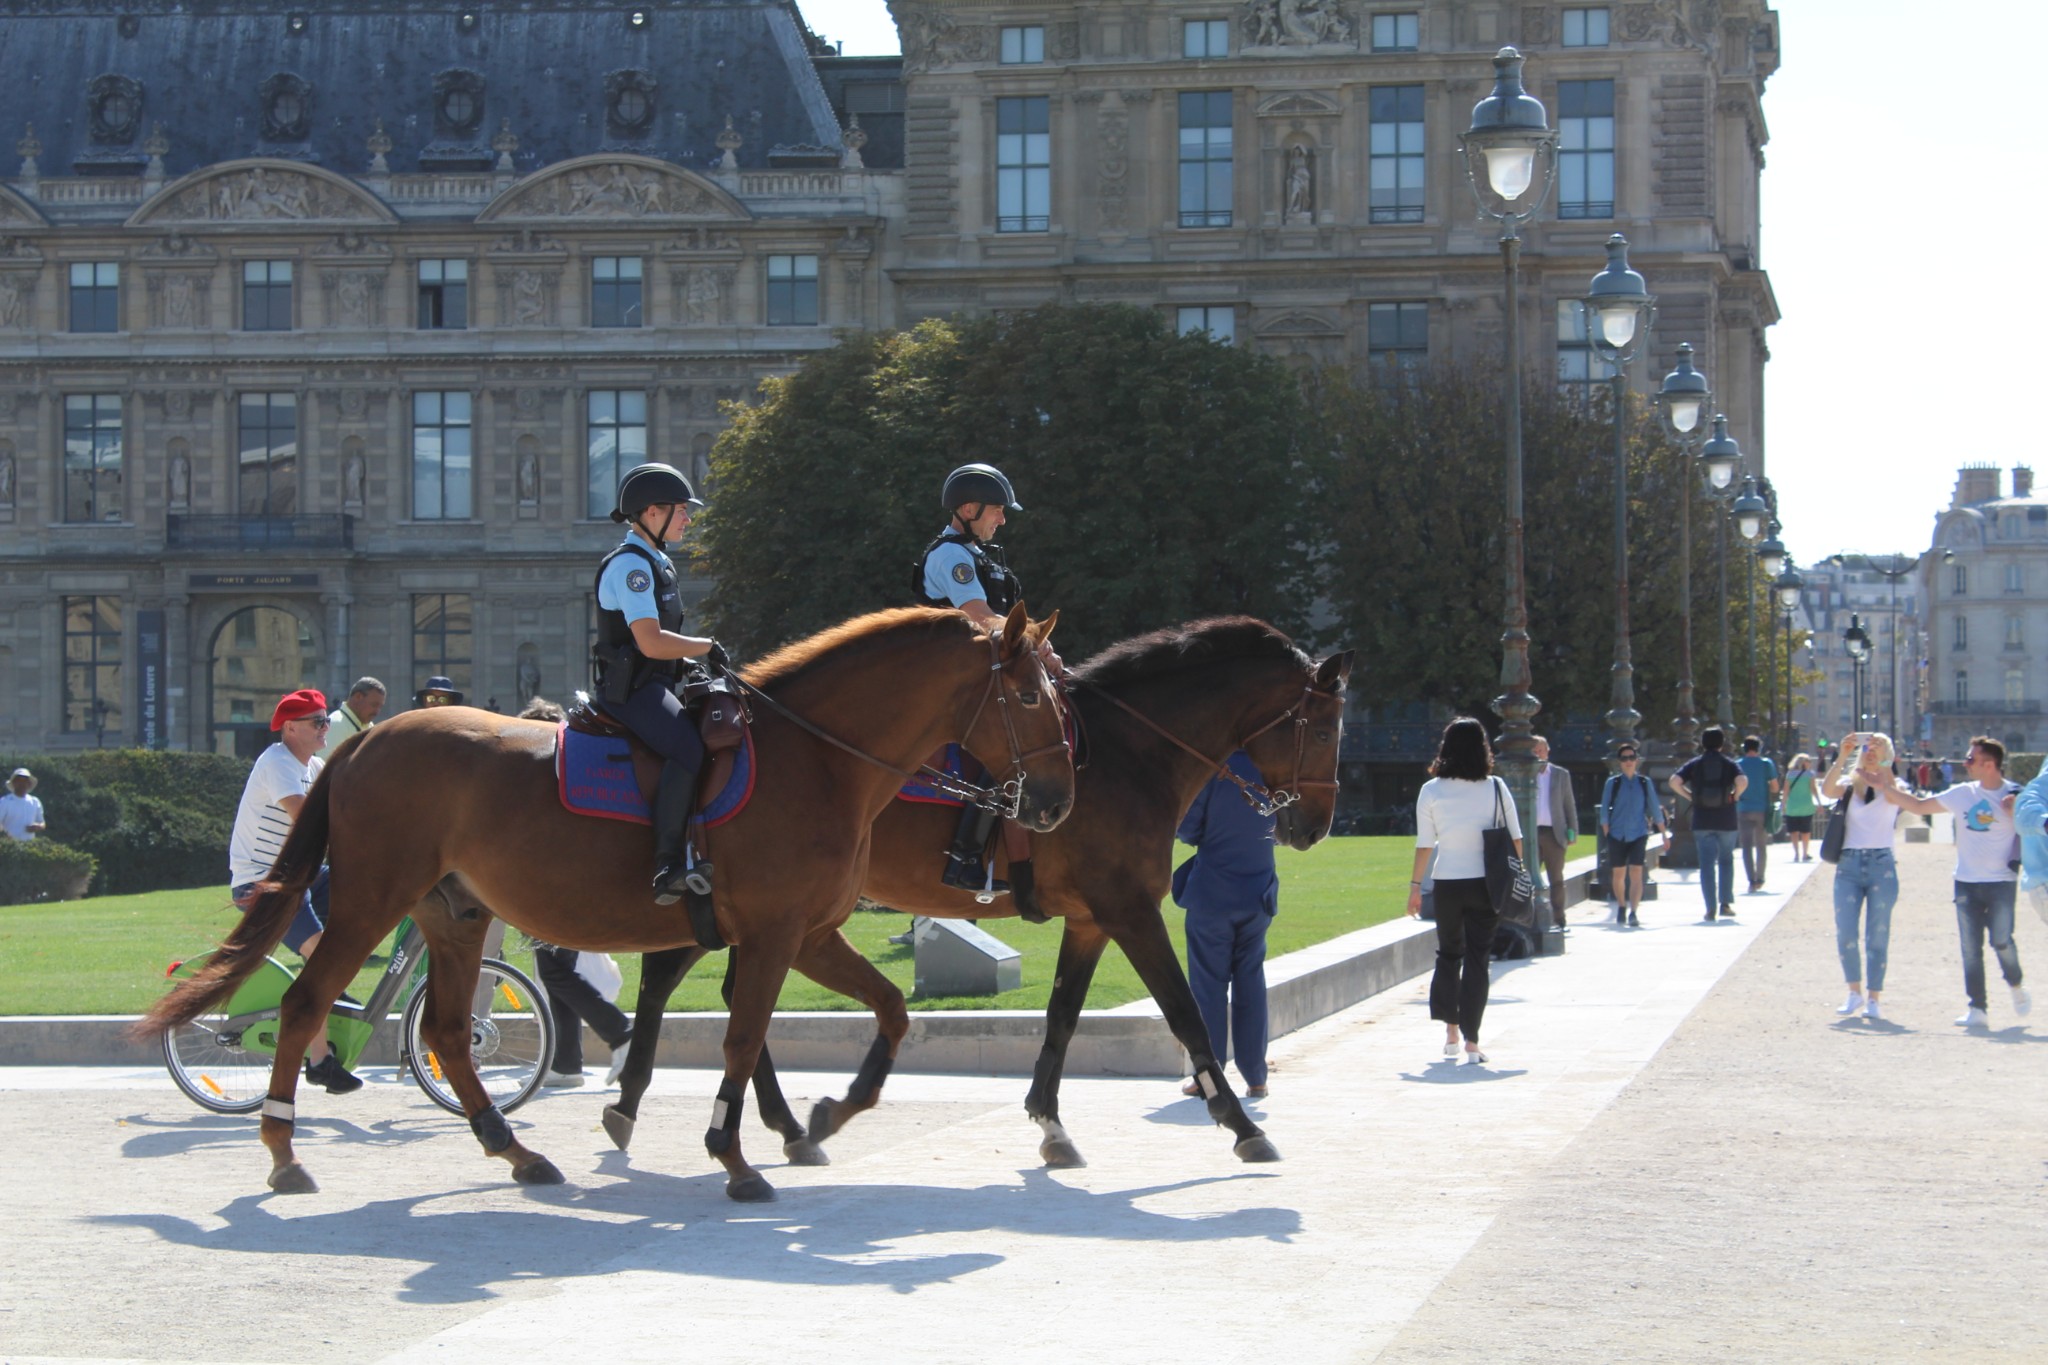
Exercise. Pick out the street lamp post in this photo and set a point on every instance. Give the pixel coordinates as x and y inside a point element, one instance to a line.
<point>1682,401</point>
<point>1790,587</point>
<point>1616,311</point>
<point>1722,457</point>
<point>1769,556</point>
<point>1900,566</point>
<point>1748,510</point>
<point>1857,642</point>
<point>1510,161</point>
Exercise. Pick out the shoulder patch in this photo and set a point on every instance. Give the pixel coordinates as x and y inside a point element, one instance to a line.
<point>638,581</point>
<point>963,572</point>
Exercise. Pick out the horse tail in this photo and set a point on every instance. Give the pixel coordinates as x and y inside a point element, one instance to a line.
<point>264,924</point>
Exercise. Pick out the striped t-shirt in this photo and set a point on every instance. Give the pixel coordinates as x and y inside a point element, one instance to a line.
<point>261,824</point>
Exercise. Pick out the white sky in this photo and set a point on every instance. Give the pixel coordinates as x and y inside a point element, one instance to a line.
<point>1892,206</point>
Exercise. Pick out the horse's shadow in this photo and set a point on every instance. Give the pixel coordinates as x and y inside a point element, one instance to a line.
<point>855,1241</point>
<point>198,1133</point>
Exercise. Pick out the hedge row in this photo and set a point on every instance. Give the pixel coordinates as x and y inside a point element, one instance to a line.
<point>151,819</point>
<point>42,870</point>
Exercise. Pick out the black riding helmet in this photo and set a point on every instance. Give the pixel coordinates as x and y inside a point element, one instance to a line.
<point>648,484</point>
<point>978,483</point>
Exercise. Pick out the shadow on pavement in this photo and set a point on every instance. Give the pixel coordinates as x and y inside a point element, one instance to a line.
<point>1453,1073</point>
<point>203,1132</point>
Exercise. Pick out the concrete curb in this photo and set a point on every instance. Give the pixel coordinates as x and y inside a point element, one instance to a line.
<point>1130,1040</point>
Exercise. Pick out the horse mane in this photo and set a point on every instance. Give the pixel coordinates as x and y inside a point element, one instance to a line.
<point>1216,640</point>
<point>794,658</point>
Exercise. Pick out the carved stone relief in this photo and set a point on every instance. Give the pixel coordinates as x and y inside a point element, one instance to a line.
<point>178,404</point>
<point>1113,164</point>
<point>458,102</point>
<point>287,103</point>
<point>935,38</point>
<point>614,191</point>
<point>263,193</point>
<point>1539,26</point>
<point>355,404</point>
<point>7,478</point>
<point>704,294</point>
<point>1297,25</point>
<point>629,102</point>
<point>114,109</point>
<point>527,294</point>
<point>17,300</point>
<point>179,299</point>
<point>353,298</point>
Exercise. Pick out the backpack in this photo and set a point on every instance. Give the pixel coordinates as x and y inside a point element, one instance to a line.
<point>1714,795</point>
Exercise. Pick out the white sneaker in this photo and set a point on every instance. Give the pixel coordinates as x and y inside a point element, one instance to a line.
<point>562,1080</point>
<point>1973,1018</point>
<point>2022,1001</point>
<point>1871,1010</point>
<point>1852,1004</point>
<point>611,1077</point>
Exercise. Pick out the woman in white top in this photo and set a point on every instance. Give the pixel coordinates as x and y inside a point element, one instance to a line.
<point>1452,811</point>
<point>1867,877</point>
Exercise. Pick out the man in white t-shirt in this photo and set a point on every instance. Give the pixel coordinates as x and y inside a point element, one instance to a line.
<point>1985,884</point>
<point>21,815</point>
<point>271,798</point>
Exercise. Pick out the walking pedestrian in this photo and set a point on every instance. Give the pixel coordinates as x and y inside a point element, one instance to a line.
<point>1753,810</point>
<point>357,713</point>
<point>21,815</point>
<point>1557,824</point>
<point>1711,783</point>
<point>1800,780</point>
<point>1867,878</point>
<point>1629,813</point>
<point>1454,809</point>
<point>1230,890</point>
<point>2030,819</point>
<point>1987,881</point>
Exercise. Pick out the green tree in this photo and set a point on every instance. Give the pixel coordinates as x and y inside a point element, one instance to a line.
<point>1164,477</point>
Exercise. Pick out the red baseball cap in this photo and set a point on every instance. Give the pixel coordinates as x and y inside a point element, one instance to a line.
<point>307,701</point>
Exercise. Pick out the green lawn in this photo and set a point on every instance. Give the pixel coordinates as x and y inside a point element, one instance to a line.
<point>107,955</point>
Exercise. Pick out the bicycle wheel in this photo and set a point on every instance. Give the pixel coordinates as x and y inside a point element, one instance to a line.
<point>511,1039</point>
<point>213,1068</point>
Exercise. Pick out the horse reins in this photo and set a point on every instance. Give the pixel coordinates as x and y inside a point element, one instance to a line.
<point>1258,796</point>
<point>1005,800</point>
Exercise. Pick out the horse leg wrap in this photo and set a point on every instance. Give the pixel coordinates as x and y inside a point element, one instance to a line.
<point>1209,1076</point>
<point>725,1117</point>
<point>874,1069</point>
<point>489,1125</point>
<point>284,1111</point>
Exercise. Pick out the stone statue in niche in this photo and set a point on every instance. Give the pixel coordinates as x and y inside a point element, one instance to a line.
<point>15,291</point>
<point>529,301</point>
<point>181,480</point>
<point>352,291</point>
<point>181,301</point>
<point>529,677</point>
<point>1301,187</point>
<point>352,481</point>
<point>529,482</point>
<point>701,304</point>
<point>6,480</point>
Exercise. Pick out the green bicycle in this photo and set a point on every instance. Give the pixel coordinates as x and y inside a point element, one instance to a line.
<point>222,1060</point>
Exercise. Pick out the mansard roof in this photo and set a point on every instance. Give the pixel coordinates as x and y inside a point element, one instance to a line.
<point>308,80</point>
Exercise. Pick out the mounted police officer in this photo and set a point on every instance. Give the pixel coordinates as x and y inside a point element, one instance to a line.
<point>639,653</point>
<point>964,568</point>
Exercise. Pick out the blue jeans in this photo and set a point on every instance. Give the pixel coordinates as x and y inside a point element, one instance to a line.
<point>1866,888</point>
<point>1227,973</point>
<point>1716,850</point>
<point>1986,908</point>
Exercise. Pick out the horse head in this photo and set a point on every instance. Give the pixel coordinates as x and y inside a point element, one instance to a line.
<point>1297,756</point>
<point>1020,732</point>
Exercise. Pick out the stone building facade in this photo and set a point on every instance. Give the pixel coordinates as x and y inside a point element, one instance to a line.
<point>1987,634</point>
<point>325,332</point>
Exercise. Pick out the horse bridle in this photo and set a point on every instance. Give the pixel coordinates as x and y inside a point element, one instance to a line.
<point>1006,800</point>
<point>1264,800</point>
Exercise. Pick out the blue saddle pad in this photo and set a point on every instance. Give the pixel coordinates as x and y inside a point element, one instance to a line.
<point>596,777</point>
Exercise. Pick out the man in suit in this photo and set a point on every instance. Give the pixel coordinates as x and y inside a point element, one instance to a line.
<point>1557,824</point>
<point>1230,890</point>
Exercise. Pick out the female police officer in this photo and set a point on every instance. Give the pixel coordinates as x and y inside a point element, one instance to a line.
<point>639,648</point>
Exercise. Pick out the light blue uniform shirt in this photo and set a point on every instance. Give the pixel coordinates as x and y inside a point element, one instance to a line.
<point>949,574</point>
<point>627,585</point>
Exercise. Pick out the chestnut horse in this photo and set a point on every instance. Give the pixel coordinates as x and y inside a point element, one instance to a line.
<point>470,794</point>
<point>1159,714</point>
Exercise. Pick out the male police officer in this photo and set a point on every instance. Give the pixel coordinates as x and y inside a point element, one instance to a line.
<point>963,568</point>
<point>639,649</point>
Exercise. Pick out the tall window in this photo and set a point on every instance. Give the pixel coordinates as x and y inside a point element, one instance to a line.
<point>1585,27</point>
<point>1023,164</point>
<point>92,664</point>
<point>1575,376</point>
<point>92,457</point>
<point>1396,339</point>
<point>2015,685</point>
<point>1962,633</point>
<point>792,291</point>
<point>1396,154</point>
<point>1585,149</point>
<point>266,296</point>
<point>442,626</point>
<point>1205,38</point>
<point>1396,32</point>
<point>1963,685</point>
<point>2015,578</point>
<point>267,471</point>
<point>1961,583</point>
<point>1219,322</point>
<point>615,291</point>
<point>617,433</point>
<point>95,296</point>
<point>441,457</point>
<point>2015,637</point>
<point>1205,158</point>
<point>444,296</point>
<point>1023,45</point>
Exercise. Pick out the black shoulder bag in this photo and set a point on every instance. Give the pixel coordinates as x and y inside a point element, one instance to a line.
<point>1507,878</point>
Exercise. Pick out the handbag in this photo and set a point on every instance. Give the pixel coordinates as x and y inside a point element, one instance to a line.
<point>1507,879</point>
<point>1838,829</point>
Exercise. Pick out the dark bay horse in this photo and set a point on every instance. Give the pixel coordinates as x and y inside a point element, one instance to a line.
<point>469,794</point>
<point>1158,714</point>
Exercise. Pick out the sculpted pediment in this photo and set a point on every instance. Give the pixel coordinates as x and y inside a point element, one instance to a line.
<point>634,188</point>
<point>1299,324</point>
<point>16,211</point>
<point>261,192</point>
<point>1298,102</point>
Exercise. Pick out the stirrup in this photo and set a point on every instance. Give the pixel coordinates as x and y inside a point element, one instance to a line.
<point>698,879</point>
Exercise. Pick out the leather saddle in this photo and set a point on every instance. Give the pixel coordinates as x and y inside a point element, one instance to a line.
<point>722,718</point>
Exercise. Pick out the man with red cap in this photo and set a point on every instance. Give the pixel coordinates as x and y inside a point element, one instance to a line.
<point>277,787</point>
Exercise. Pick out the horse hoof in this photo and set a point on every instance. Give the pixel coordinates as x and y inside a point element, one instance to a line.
<point>539,1171</point>
<point>1257,1148</point>
<point>821,1125</point>
<point>617,1127</point>
<point>1060,1154</point>
<point>293,1179</point>
<point>804,1152</point>
<point>751,1189</point>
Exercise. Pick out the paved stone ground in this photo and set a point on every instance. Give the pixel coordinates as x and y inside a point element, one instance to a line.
<point>1770,1186</point>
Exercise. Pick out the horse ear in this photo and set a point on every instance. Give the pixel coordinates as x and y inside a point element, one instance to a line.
<point>1335,671</point>
<point>1042,631</point>
<point>1014,626</point>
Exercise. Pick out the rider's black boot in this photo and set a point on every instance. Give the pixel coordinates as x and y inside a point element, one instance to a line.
<point>963,860</point>
<point>672,801</point>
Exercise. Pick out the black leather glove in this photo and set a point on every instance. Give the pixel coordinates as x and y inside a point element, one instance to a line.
<point>717,659</point>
